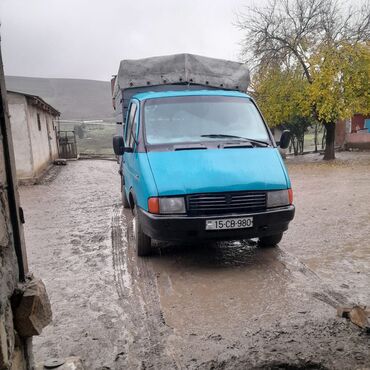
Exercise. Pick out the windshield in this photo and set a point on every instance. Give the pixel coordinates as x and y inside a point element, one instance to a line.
<point>202,118</point>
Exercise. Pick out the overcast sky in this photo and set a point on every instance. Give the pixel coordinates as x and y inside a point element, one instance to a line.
<point>88,38</point>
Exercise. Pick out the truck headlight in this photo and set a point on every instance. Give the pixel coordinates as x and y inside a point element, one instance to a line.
<point>278,198</point>
<point>174,205</point>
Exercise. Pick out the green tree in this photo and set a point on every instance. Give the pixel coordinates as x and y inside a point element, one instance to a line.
<point>340,84</point>
<point>326,43</point>
<point>282,95</point>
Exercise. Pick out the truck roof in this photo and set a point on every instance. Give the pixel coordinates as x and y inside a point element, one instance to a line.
<point>170,94</point>
<point>182,68</point>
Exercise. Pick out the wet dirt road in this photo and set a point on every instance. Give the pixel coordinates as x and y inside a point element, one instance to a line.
<point>226,305</point>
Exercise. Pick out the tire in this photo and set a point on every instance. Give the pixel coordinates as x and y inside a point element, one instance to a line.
<point>142,242</point>
<point>125,202</point>
<point>270,241</point>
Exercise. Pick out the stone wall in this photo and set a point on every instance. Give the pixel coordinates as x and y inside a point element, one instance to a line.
<point>359,140</point>
<point>24,305</point>
<point>12,347</point>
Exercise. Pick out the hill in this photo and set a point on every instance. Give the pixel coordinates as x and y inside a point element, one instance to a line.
<point>74,98</point>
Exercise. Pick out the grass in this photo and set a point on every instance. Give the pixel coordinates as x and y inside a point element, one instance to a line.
<point>96,138</point>
<point>309,142</point>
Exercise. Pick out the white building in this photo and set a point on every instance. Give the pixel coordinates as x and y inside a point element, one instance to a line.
<point>35,134</point>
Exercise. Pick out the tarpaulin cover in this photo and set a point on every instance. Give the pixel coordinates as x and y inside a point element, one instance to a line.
<point>183,68</point>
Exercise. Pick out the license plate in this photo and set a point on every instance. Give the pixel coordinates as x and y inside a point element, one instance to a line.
<point>229,223</point>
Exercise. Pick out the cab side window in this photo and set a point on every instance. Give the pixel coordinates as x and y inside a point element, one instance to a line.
<point>130,122</point>
<point>132,137</point>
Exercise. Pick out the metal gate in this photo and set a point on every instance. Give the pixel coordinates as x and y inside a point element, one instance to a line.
<point>67,145</point>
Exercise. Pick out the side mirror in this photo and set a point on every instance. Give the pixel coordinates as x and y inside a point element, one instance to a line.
<point>119,145</point>
<point>285,139</point>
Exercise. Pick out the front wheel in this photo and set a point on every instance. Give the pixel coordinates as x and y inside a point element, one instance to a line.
<point>142,242</point>
<point>270,241</point>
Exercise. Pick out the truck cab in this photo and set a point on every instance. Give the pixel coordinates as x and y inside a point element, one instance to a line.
<point>202,164</point>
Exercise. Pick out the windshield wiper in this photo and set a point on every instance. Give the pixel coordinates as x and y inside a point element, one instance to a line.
<point>253,141</point>
<point>192,146</point>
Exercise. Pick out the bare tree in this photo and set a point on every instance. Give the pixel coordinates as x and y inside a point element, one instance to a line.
<point>288,32</point>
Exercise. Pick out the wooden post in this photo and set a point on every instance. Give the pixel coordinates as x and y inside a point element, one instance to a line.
<point>11,180</point>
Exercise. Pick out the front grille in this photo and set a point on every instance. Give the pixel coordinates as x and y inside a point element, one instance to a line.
<point>219,203</point>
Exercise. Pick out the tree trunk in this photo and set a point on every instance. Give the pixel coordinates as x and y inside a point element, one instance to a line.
<point>315,138</point>
<point>323,139</point>
<point>295,145</point>
<point>330,139</point>
<point>301,143</point>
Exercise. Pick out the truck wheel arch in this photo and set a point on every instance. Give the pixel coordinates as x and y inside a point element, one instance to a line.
<point>132,198</point>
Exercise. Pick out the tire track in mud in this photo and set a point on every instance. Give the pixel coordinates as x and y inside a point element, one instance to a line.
<point>120,267</point>
<point>314,284</point>
<point>148,347</point>
<point>136,285</point>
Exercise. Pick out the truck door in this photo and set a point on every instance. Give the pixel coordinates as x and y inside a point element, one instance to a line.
<point>129,159</point>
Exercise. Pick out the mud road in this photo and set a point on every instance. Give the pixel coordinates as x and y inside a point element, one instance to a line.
<point>226,305</point>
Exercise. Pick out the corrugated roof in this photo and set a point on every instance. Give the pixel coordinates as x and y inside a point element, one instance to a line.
<point>37,101</point>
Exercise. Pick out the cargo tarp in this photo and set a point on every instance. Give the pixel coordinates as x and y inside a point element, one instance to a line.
<point>183,68</point>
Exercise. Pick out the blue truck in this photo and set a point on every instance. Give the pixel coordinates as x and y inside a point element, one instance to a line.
<point>197,160</point>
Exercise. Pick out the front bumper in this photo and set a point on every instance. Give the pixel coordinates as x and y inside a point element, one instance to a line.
<point>182,227</point>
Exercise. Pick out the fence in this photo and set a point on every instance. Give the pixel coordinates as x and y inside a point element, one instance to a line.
<point>93,138</point>
<point>67,144</point>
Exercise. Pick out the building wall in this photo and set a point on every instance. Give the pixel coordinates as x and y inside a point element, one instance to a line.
<point>35,148</point>
<point>43,140</point>
<point>358,122</point>
<point>342,128</point>
<point>18,117</point>
<point>53,129</point>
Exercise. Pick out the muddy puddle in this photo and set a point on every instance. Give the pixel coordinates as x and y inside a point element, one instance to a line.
<point>228,305</point>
